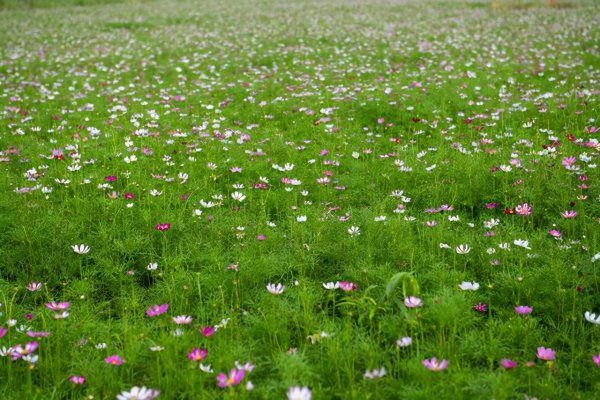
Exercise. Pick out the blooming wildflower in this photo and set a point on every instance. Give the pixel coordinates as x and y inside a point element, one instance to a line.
<point>522,243</point>
<point>152,266</point>
<point>593,318</point>
<point>156,348</point>
<point>197,354</point>
<point>157,310</point>
<point>404,342</point>
<point>32,333</point>
<point>237,196</point>
<point>376,373</point>
<point>137,393</point>
<point>480,307</point>
<point>208,331</point>
<point>206,368</point>
<point>569,214</point>
<point>54,306</point>
<point>81,248</point>
<point>555,233</point>
<point>523,310</point>
<point>20,351</point>
<point>469,286</point>
<point>354,231</point>
<point>114,360</point>
<point>347,286</point>
<point>413,302</point>
<point>434,365</point>
<point>301,218</point>
<point>34,286</point>
<point>596,359</point>
<point>331,285</point>
<point>275,289</point>
<point>523,209</point>
<point>182,319</point>
<point>546,354</point>
<point>299,393</point>
<point>463,249</point>
<point>77,380</point>
<point>235,377</point>
<point>508,364</point>
<point>248,367</point>
<point>163,227</point>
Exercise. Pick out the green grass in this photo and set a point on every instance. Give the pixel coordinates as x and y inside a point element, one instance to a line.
<point>387,110</point>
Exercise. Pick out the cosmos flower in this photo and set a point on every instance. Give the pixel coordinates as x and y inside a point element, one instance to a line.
<point>157,310</point>
<point>235,377</point>
<point>81,248</point>
<point>522,243</point>
<point>354,231</point>
<point>480,307</point>
<point>208,331</point>
<point>347,286</point>
<point>546,354</point>
<point>331,285</point>
<point>469,286</point>
<point>54,306</point>
<point>299,393</point>
<point>433,364</point>
<point>376,373</point>
<point>508,364</point>
<point>523,209</point>
<point>114,360</point>
<point>163,227</point>
<point>413,302</point>
<point>3,331</point>
<point>596,359</point>
<point>137,393</point>
<point>34,286</point>
<point>555,233</point>
<point>197,354</point>
<point>593,318</point>
<point>523,310</point>
<point>275,289</point>
<point>463,249</point>
<point>568,214</point>
<point>404,342</point>
<point>182,319</point>
<point>19,351</point>
<point>77,379</point>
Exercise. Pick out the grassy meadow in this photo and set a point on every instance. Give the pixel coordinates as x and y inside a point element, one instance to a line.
<point>277,199</point>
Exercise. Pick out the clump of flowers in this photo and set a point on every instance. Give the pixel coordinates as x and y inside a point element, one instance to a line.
<point>157,310</point>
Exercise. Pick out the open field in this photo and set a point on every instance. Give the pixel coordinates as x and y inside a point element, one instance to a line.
<point>317,198</point>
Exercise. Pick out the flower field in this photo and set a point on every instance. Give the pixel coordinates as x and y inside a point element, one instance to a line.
<point>277,199</point>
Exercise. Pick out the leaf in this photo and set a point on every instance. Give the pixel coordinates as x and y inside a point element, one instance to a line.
<point>410,286</point>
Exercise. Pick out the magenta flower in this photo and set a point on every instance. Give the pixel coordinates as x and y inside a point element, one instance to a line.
<point>197,354</point>
<point>596,359</point>
<point>567,162</point>
<point>434,365</point>
<point>523,209</point>
<point>208,331</point>
<point>546,354</point>
<point>37,334</point>
<point>347,286</point>
<point>77,380</point>
<point>54,306</point>
<point>20,351</point>
<point>114,360</point>
<point>569,214</point>
<point>110,178</point>
<point>157,310</point>
<point>555,233</point>
<point>3,331</point>
<point>235,377</point>
<point>413,302</point>
<point>522,310</point>
<point>163,227</point>
<point>508,364</point>
<point>480,307</point>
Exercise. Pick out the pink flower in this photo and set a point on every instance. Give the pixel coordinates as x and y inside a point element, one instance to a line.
<point>20,351</point>
<point>480,307</point>
<point>114,360</point>
<point>508,364</point>
<point>261,237</point>
<point>235,377</point>
<point>110,178</point>
<point>596,359</point>
<point>3,331</point>
<point>197,354</point>
<point>157,310</point>
<point>523,209</point>
<point>347,286</point>
<point>555,233</point>
<point>522,310</point>
<point>569,214</point>
<point>37,334</point>
<point>546,354</point>
<point>163,227</point>
<point>567,162</point>
<point>208,331</point>
<point>413,302</point>
<point>54,306</point>
<point>433,364</point>
<point>182,319</point>
<point>77,380</point>
<point>34,286</point>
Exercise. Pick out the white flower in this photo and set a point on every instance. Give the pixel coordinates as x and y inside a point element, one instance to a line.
<point>376,373</point>
<point>463,249</point>
<point>31,358</point>
<point>11,322</point>
<point>301,218</point>
<point>593,318</point>
<point>81,248</point>
<point>206,368</point>
<point>6,351</point>
<point>404,342</point>
<point>469,286</point>
<point>444,246</point>
<point>522,243</point>
<point>155,193</point>
<point>453,218</point>
<point>299,393</point>
<point>504,246</point>
<point>156,348</point>
<point>275,289</point>
<point>197,213</point>
<point>380,218</point>
<point>101,346</point>
<point>137,393</point>
<point>152,266</point>
<point>331,285</point>
<point>596,257</point>
<point>237,196</point>
<point>354,231</point>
